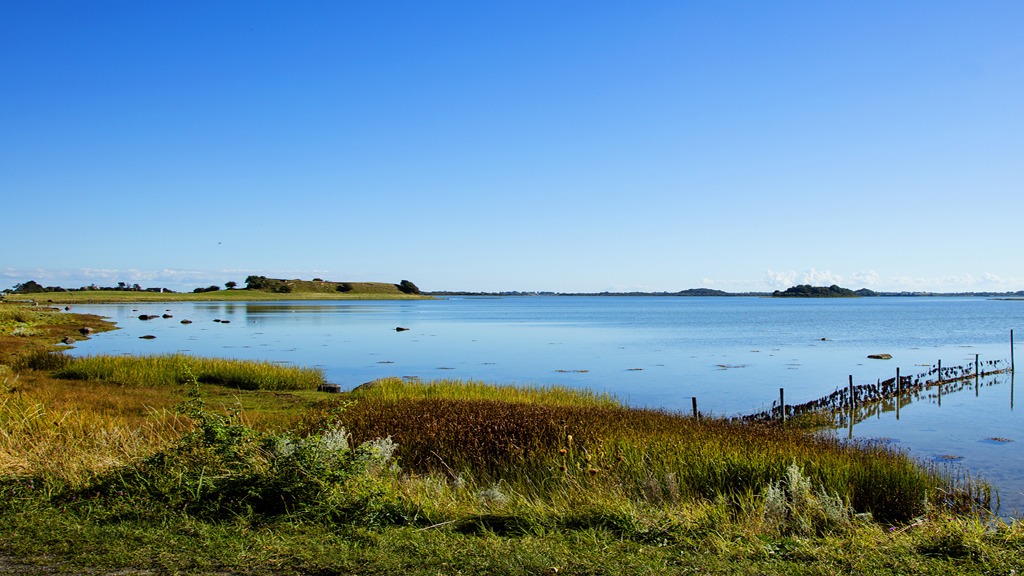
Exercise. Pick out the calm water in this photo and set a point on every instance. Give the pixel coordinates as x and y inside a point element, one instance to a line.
<point>733,354</point>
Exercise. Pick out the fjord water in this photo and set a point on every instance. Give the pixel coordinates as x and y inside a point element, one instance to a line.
<point>732,354</point>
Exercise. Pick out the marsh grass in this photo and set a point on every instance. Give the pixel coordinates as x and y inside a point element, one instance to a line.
<point>556,446</point>
<point>170,369</point>
<point>392,389</point>
<point>19,314</point>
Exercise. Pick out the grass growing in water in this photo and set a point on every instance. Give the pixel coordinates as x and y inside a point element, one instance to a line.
<point>170,369</point>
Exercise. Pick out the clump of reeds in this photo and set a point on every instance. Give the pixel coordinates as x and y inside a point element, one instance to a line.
<point>387,389</point>
<point>179,368</point>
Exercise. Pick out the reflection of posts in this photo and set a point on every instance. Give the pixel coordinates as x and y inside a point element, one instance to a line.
<point>899,392</point>
<point>977,374</point>
<point>853,404</point>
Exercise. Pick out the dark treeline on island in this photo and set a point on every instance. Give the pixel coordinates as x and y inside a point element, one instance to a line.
<point>833,291</point>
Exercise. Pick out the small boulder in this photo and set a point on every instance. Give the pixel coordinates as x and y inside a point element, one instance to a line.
<point>168,316</point>
<point>329,387</point>
<point>880,356</point>
<point>400,329</point>
<point>186,321</point>
<point>85,331</point>
<point>68,340</point>
<point>386,380</point>
<point>147,337</point>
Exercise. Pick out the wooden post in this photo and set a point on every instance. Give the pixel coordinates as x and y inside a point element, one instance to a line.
<point>940,382</point>
<point>852,406</point>
<point>695,414</point>
<point>782,404</point>
<point>1011,351</point>
<point>977,375</point>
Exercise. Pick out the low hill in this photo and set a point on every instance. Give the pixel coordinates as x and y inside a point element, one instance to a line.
<point>702,292</point>
<point>281,286</point>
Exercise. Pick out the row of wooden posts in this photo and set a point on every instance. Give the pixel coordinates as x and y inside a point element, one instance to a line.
<point>898,381</point>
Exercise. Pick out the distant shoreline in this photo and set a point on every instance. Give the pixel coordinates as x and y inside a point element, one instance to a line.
<point>684,294</point>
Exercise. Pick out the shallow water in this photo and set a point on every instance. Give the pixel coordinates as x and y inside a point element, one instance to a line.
<point>732,354</point>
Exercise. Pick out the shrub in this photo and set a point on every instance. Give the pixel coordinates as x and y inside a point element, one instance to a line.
<point>792,508</point>
<point>223,470</point>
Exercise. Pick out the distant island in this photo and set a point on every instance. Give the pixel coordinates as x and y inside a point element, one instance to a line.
<point>833,291</point>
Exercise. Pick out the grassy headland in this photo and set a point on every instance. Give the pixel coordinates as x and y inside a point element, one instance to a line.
<point>166,464</point>
<point>257,288</point>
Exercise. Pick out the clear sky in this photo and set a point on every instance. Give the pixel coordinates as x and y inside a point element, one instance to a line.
<point>519,145</point>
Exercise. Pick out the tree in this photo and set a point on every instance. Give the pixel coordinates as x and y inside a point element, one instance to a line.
<point>231,285</point>
<point>408,287</point>
<point>30,287</point>
<point>256,282</point>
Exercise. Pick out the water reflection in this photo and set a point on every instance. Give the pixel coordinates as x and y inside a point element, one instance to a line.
<point>970,424</point>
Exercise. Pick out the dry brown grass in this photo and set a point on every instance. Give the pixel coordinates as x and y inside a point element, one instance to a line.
<point>58,430</point>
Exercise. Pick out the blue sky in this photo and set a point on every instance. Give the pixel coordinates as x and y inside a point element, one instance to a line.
<point>565,146</point>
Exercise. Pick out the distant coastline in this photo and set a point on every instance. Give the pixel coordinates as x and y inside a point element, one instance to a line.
<point>708,292</point>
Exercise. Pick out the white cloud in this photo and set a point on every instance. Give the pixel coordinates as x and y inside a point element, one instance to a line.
<point>783,280</point>
<point>967,282</point>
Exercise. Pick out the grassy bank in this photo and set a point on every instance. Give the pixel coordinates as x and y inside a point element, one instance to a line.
<point>130,464</point>
<point>113,296</point>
